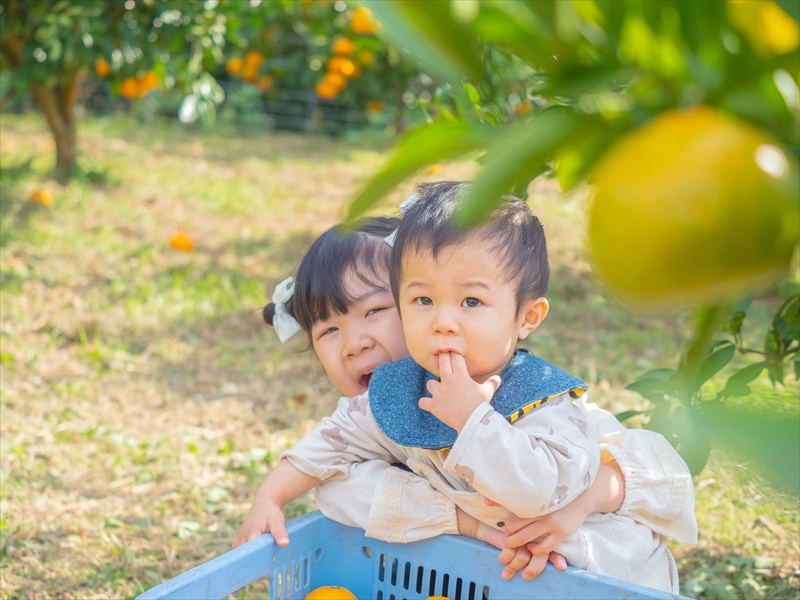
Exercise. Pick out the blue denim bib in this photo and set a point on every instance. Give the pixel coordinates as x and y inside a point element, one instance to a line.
<point>395,389</point>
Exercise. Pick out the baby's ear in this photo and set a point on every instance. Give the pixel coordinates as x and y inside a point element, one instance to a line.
<point>533,313</point>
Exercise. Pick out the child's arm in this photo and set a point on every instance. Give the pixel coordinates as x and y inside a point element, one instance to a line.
<point>658,488</point>
<point>282,485</point>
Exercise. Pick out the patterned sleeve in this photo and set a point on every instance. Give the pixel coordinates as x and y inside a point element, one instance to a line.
<point>541,462</point>
<point>388,503</point>
<point>349,436</point>
<point>659,491</point>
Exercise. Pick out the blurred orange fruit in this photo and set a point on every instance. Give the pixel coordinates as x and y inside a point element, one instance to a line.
<point>326,91</point>
<point>331,592</point>
<point>363,22</point>
<point>264,83</point>
<point>337,80</point>
<point>366,58</point>
<point>343,46</point>
<point>101,67</point>
<point>129,88</point>
<point>523,108</point>
<point>346,67</point>
<point>254,57</point>
<point>333,64</point>
<point>234,66</point>
<point>375,106</point>
<point>181,241</point>
<point>147,83</point>
<point>41,196</point>
<point>693,207</point>
<point>249,72</point>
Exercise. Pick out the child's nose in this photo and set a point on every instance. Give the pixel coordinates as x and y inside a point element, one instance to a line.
<point>356,341</point>
<point>445,322</point>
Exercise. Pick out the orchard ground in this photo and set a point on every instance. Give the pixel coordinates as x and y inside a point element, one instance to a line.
<point>143,401</point>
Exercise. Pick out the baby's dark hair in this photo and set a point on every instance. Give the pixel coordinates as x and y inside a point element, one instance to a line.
<point>319,291</point>
<point>513,232</point>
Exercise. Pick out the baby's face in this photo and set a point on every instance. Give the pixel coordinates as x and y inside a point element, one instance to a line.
<point>462,303</point>
<point>351,346</point>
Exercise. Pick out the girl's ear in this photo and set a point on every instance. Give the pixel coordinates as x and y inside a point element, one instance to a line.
<point>532,314</point>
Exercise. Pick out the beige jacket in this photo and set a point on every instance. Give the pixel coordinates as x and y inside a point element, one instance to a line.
<point>532,467</point>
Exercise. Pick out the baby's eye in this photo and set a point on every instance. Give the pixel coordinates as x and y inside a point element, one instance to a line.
<point>471,303</point>
<point>424,301</point>
<point>375,311</point>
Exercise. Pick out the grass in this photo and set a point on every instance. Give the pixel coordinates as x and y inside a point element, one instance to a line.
<point>143,402</point>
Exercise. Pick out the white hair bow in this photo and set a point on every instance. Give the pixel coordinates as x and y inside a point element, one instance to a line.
<point>285,324</point>
<point>404,206</point>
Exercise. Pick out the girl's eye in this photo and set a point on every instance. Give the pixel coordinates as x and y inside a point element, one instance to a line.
<point>327,331</point>
<point>375,311</point>
<point>424,301</point>
<point>471,303</point>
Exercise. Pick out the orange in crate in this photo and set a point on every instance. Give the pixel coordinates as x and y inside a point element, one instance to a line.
<point>331,592</point>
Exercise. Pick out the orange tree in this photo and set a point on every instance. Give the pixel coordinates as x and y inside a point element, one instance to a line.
<point>683,117</point>
<point>50,46</point>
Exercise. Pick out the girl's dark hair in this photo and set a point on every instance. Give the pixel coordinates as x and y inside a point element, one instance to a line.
<point>513,232</point>
<point>359,251</point>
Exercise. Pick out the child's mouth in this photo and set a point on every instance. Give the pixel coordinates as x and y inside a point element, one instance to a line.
<point>364,379</point>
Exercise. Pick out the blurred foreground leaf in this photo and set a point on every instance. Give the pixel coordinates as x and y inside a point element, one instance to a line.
<point>420,147</point>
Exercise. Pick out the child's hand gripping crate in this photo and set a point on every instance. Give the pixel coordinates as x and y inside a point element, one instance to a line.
<point>323,552</point>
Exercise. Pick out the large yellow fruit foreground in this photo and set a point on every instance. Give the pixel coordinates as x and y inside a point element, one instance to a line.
<point>331,592</point>
<point>694,207</point>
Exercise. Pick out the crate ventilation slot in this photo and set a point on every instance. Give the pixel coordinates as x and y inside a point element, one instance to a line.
<point>416,579</point>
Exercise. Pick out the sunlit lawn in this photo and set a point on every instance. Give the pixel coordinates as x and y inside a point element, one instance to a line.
<point>143,401</point>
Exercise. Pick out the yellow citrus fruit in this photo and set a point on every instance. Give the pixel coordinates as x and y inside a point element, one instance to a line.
<point>768,28</point>
<point>234,66</point>
<point>129,88</point>
<point>693,207</point>
<point>181,241</point>
<point>366,58</point>
<point>523,108</point>
<point>331,592</point>
<point>336,80</point>
<point>375,106</point>
<point>41,196</point>
<point>363,22</point>
<point>101,67</point>
<point>344,46</point>
<point>437,598</point>
<point>264,83</point>
<point>326,91</point>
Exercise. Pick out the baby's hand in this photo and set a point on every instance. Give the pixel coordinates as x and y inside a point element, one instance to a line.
<point>264,517</point>
<point>457,395</point>
<point>543,534</point>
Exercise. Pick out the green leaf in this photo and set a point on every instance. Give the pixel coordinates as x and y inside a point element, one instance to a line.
<point>662,374</point>
<point>737,383</point>
<point>522,149</point>
<point>627,414</point>
<point>429,30</point>
<point>714,363</point>
<point>575,160</point>
<point>420,147</point>
<point>652,389</point>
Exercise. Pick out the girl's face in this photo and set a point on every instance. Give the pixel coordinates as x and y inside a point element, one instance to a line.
<point>351,346</point>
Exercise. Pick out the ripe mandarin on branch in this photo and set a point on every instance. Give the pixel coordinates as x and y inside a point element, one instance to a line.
<point>363,22</point>
<point>693,207</point>
<point>331,592</point>
<point>101,67</point>
<point>234,66</point>
<point>344,46</point>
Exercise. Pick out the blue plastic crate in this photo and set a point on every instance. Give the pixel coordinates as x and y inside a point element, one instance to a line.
<point>323,552</point>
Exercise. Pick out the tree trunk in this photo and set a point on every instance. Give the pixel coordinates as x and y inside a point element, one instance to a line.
<point>58,106</point>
